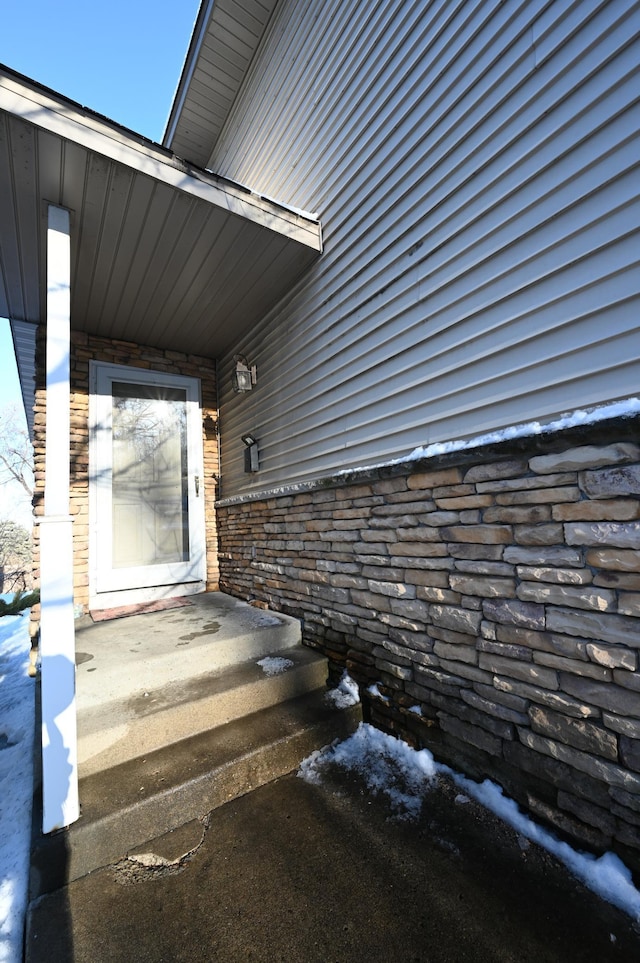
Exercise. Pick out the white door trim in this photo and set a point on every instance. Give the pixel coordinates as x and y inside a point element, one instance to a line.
<point>110,587</point>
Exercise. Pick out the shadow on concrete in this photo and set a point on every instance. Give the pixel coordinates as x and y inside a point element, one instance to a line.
<point>312,874</point>
<point>48,866</point>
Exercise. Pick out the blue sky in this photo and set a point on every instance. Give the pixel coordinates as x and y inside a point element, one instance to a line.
<point>122,58</point>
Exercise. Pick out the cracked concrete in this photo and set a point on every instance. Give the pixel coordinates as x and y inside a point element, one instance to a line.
<point>168,854</point>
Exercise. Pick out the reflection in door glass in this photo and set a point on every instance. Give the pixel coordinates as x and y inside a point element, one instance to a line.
<point>150,475</point>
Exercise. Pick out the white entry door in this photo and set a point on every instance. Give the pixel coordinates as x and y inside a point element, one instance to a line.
<point>147,479</point>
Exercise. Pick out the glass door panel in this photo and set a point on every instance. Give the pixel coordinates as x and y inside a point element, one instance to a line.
<point>150,505</point>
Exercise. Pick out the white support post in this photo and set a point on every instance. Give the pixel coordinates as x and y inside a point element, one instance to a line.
<point>57,637</point>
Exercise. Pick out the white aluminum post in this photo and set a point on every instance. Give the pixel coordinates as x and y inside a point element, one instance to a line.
<point>57,639</point>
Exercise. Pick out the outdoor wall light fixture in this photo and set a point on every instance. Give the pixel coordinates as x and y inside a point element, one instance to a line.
<point>244,375</point>
<point>250,453</point>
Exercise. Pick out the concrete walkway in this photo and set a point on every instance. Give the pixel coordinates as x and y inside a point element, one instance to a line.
<point>318,874</point>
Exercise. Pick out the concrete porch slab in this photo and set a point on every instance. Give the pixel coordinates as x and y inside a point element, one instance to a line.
<point>178,712</point>
<point>127,656</point>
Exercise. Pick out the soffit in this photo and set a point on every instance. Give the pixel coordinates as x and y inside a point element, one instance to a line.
<point>226,36</point>
<point>162,253</point>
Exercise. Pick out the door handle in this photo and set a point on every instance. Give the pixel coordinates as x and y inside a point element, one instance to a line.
<point>196,479</point>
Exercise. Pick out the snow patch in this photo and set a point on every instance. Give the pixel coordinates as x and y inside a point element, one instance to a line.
<point>605,875</point>
<point>374,691</point>
<point>309,215</point>
<point>273,665</point>
<point>345,694</point>
<point>390,767</point>
<point>583,416</point>
<point>586,416</point>
<point>626,408</point>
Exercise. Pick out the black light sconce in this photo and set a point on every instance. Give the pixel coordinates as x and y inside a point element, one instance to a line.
<point>244,375</point>
<point>251,462</point>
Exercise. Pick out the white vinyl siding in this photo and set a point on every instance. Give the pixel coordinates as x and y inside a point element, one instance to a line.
<point>475,168</point>
<point>213,73</point>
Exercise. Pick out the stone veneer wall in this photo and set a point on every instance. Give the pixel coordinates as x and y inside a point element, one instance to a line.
<point>84,349</point>
<point>493,598</point>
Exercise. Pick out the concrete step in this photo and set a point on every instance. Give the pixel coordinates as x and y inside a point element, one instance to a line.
<point>126,657</point>
<point>141,799</point>
<point>110,733</point>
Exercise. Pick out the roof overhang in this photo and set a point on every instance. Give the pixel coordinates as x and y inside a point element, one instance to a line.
<point>225,37</point>
<point>163,253</point>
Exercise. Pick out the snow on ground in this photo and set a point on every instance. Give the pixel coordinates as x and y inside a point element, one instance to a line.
<point>17,694</point>
<point>390,767</point>
<point>605,875</point>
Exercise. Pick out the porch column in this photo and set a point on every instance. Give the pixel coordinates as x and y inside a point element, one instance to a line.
<point>57,640</point>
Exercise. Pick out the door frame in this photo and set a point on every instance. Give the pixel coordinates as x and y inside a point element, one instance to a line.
<point>186,579</point>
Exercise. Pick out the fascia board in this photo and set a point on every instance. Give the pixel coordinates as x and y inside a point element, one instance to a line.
<point>197,39</point>
<point>67,120</point>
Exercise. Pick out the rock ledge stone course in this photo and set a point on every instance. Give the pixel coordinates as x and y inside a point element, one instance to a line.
<point>491,600</point>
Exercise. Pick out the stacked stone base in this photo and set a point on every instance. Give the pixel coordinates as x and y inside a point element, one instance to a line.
<point>488,605</point>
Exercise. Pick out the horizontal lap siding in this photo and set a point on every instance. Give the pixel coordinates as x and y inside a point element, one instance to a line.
<point>475,166</point>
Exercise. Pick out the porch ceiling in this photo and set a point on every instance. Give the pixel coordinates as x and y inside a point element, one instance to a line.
<point>163,253</point>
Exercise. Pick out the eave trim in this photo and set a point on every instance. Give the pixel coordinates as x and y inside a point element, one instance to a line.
<point>63,117</point>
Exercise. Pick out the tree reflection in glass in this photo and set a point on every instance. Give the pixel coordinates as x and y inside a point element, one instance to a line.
<point>150,475</point>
